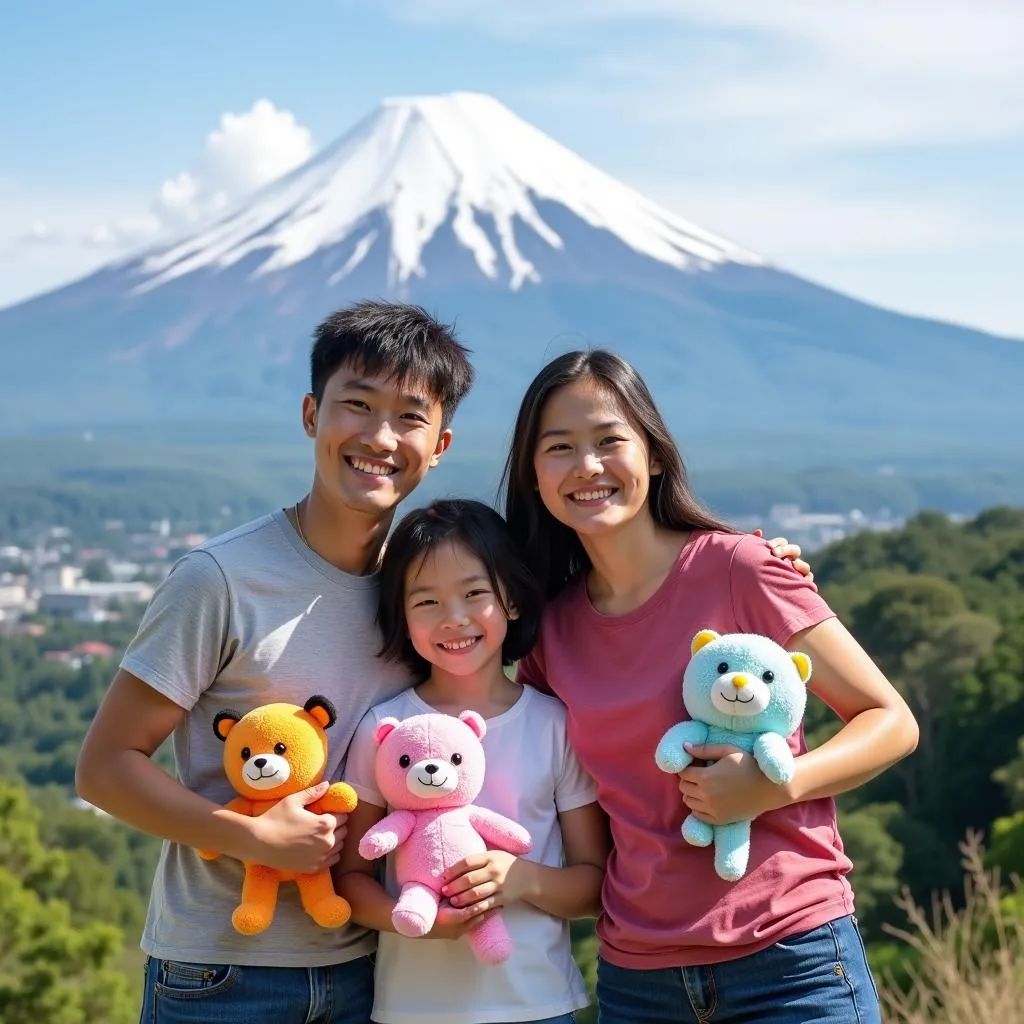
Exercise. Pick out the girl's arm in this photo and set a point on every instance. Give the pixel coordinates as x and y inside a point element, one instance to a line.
<point>880,730</point>
<point>497,879</point>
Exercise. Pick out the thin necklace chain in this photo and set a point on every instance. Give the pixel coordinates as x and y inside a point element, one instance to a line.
<point>298,525</point>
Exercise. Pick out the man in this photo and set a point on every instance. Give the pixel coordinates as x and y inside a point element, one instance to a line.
<point>276,610</point>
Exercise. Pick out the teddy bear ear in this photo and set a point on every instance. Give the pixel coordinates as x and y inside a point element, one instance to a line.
<point>385,727</point>
<point>702,639</point>
<point>803,664</point>
<point>475,722</point>
<point>224,722</point>
<point>322,710</point>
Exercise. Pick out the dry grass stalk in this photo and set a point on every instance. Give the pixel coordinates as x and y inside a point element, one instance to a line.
<point>970,964</point>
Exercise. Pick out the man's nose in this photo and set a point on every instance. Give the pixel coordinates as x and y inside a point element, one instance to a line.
<point>381,438</point>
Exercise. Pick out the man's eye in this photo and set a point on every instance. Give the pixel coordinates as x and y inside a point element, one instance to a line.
<point>355,403</point>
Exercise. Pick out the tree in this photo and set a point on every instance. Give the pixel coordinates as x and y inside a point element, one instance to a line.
<point>51,971</point>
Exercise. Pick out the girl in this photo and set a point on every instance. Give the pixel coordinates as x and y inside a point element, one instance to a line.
<point>633,567</point>
<point>457,605</point>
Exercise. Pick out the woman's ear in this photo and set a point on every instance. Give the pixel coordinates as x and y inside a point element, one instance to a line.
<point>513,613</point>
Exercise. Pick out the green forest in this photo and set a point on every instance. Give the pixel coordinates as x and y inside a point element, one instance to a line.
<point>940,606</point>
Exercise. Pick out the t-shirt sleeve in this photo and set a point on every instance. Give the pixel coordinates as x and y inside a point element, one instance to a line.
<point>573,786</point>
<point>530,670</point>
<point>769,596</point>
<point>183,640</point>
<point>359,765</point>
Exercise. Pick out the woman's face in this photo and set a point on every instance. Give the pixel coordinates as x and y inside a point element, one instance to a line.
<point>592,464</point>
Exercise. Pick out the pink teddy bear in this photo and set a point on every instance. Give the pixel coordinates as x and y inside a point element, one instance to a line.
<point>430,768</point>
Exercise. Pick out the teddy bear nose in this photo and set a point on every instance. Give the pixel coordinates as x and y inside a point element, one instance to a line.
<point>739,681</point>
<point>430,768</point>
<point>260,762</point>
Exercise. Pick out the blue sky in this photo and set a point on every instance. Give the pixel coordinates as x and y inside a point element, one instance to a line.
<point>875,147</point>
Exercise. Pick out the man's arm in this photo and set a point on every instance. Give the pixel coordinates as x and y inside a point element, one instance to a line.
<point>116,773</point>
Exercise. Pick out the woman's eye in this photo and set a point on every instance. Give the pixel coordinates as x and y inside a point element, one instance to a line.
<point>477,593</point>
<point>723,667</point>
<point>404,761</point>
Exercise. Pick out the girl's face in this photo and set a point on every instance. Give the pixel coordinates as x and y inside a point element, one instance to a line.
<point>592,465</point>
<point>453,613</point>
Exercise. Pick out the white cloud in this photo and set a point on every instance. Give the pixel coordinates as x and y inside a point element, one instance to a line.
<point>40,233</point>
<point>244,152</point>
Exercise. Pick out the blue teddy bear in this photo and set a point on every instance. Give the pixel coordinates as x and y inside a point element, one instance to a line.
<point>746,690</point>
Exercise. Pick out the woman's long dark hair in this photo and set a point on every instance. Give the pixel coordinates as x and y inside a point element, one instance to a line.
<point>554,551</point>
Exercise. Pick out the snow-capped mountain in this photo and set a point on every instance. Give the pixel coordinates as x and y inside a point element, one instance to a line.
<point>454,202</point>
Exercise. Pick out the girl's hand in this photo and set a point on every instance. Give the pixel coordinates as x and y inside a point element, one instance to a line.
<point>781,548</point>
<point>488,880</point>
<point>454,922</point>
<point>731,789</point>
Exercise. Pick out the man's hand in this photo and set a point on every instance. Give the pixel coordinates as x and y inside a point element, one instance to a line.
<point>731,789</point>
<point>488,880</point>
<point>290,837</point>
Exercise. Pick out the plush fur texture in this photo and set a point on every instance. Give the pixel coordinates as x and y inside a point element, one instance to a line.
<point>270,753</point>
<point>745,690</point>
<point>430,768</point>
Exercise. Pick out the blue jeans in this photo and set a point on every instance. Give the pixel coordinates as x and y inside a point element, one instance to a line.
<point>187,993</point>
<point>815,977</point>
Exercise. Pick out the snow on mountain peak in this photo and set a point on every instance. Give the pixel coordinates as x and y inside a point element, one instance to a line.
<point>421,161</point>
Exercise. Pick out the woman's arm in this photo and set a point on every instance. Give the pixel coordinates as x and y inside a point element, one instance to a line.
<point>879,731</point>
<point>497,879</point>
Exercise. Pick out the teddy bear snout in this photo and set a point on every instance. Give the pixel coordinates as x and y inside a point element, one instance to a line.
<point>267,771</point>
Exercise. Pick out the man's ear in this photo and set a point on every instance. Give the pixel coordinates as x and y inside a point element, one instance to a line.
<point>309,411</point>
<point>442,446</point>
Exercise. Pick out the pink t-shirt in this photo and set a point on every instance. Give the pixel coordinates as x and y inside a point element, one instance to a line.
<point>620,678</point>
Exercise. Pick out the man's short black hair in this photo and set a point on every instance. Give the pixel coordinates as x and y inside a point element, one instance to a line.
<point>397,341</point>
<point>482,531</point>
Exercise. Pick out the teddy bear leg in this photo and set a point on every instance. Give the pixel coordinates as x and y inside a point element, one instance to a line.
<point>732,850</point>
<point>321,902</point>
<point>416,910</point>
<point>259,898</point>
<point>490,941</point>
<point>697,832</point>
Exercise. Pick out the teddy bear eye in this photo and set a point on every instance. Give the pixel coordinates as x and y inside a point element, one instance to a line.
<point>723,667</point>
<point>246,753</point>
<point>404,761</point>
<point>279,748</point>
<point>769,676</point>
<point>456,759</point>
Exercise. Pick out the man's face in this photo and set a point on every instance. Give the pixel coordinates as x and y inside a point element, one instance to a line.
<point>374,439</point>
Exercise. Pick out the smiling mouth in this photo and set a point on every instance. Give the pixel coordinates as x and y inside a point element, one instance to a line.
<point>256,778</point>
<point>367,468</point>
<point>738,700</point>
<point>430,783</point>
<point>457,646</point>
<point>595,494</point>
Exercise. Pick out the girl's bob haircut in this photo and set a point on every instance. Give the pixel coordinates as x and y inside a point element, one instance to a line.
<point>481,531</point>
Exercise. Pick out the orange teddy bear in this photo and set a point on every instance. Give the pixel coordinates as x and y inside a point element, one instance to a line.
<point>270,753</point>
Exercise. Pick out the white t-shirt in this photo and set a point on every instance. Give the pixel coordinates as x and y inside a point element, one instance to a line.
<point>532,775</point>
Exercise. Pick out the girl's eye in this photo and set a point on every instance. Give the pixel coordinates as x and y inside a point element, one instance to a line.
<point>279,749</point>
<point>246,753</point>
<point>404,761</point>
<point>557,448</point>
<point>425,603</point>
<point>611,440</point>
<point>723,667</point>
<point>477,593</point>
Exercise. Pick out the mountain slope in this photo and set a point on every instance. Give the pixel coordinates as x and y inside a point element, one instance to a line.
<point>456,203</point>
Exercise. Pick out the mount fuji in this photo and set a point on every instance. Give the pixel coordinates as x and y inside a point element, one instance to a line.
<point>455,203</point>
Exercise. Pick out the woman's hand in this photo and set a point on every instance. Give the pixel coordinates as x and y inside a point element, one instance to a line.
<point>488,880</point>
<point>731,789</point>
<point>781,548</point>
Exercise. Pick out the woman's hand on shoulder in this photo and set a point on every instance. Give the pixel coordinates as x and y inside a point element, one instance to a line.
<point>781,548</point>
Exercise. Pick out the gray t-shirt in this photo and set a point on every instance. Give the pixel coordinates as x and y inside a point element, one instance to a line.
<point>248,618</point>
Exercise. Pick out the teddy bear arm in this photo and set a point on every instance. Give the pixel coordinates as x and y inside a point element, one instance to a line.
<point>774,758</point>
<point>670,755</point>
<point>387,835</point>
<point>499,831</point>
<point>339,799</point>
